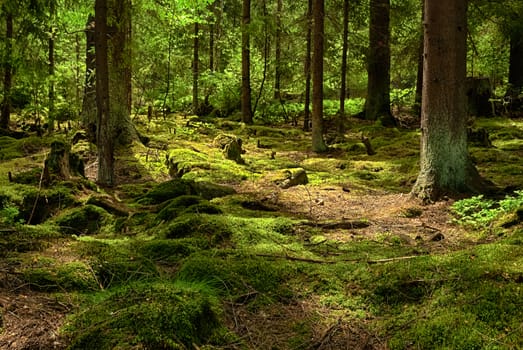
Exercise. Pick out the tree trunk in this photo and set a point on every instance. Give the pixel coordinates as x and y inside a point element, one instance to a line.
<point>377,106</point>
<point>195,68</point>
<point>89,114</point>
<point>246,64</point>
<point>445,166</point>
<point>515,75</point>
<point>6,103</point>
<point>307,69</point>
<point>105,135</point>
<point>51,67</point>
<point>343,78</point>
<point>119,51</point>
<point>318,144</point>
<point>277,72</point>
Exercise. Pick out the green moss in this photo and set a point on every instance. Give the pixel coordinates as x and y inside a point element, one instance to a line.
<point>75,276</point>
<point>171,250</point>
<point>87,219</point>
<point>160,315</point>
<point>167,190</point>
<point>176,206</point>
<point>214,228</point>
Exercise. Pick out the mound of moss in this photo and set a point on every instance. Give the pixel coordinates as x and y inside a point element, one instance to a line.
<point>87,219</point>
<point>74,276</point>
<point>187,204</point>
<point>213,228</point>
<point>161,315</point>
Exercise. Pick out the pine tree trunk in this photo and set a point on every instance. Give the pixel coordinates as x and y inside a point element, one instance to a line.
<point>307,69</point>
<point>119,51</point>
<point>6,103</point>
<point>195,68</point>
<point>318,144</point>
<point>343,78</point>
<point>89,114</point>
<point>105,136</point>
<point>51,67</point>
<point>419,76</point>
<point>515,75</point>
<point>377,106</point>
<point>277,54</point>
<point>246,64</point>
<point>445,166</point>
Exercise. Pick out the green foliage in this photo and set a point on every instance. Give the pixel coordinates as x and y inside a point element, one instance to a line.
<point>158,315</point>
<point>478,212</point>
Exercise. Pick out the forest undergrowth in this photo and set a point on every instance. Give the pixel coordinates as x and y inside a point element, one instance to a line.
<point>195,251</point>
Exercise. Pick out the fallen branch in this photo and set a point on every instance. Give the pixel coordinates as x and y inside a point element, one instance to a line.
<point>317,261</point>
<point>392,259</point>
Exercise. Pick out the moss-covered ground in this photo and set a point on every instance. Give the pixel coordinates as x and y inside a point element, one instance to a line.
<point>193,251</point>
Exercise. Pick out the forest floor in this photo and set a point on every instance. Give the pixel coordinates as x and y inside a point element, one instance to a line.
<point>364,265</point>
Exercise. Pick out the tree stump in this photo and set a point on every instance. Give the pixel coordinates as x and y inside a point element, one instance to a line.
<point>61,164</point>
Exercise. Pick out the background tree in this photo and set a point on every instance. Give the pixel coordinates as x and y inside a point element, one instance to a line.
<point>377,105</point>
<point>343,78</point>
<point>307,68</point>
<point>318,143</point>
<point>445,165</point>
<point>246,64</point>
<point>7,65</point>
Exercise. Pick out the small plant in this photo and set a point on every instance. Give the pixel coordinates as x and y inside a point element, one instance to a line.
<point>478,212</point>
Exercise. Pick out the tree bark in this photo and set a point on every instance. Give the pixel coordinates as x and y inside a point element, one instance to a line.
<point>8,71</point>
<point>515,75</point>
<point>343,78</point>
<point>445,166</point>
<point>318,143</point>
<point>195,68</point>
<point>105,141</point>
<point>377,106</point>
<point>277,54</point>
<point>89,113</point>
<point>246,64</point>
<point>51,67</point>
<point>119,51</point>
<point>307,69</point>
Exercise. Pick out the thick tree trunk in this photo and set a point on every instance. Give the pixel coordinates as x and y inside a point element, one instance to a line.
<point>377,106</point>
<point>444,161</point>
<point>515,75</point>
<point>195,68</point>
<point>6,103</point>
<point>277,54</point>
<point>343,78</point>
<point>119,50</point>
<point>246,64</point>
<point>307,69</point>
<point>318,144</point>
<point>89,114</point>
<point>105,135</point>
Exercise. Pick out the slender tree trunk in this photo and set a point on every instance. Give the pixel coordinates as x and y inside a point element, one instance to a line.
<point>195,68</point>
<point>318,144</point>
<point>377,106</point>
<point>343,79</point>
<point>212,29</point>
<point>246,64</point>
<point>89,113</point>
<point>277,72</point>
<point>51,42</point>
<point>105,135</point>
<point>307,69</point>
<point>8,71</point>
<point>444,161</point>
<point>266,51</point>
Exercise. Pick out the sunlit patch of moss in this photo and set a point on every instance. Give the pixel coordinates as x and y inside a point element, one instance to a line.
<point>158,315</point>
<point>72,276</point>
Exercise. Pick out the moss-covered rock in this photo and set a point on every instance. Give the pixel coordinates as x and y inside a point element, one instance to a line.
<point>37,206</point>
<point>167,190</point>
<point>161,315</point>
<point>209,190</point>
<point>171,250</point>
<point>187,204</point>
<point>181,161</point>
<point>74,276</point>
<point>231,147</point>
<point>87,219</point>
